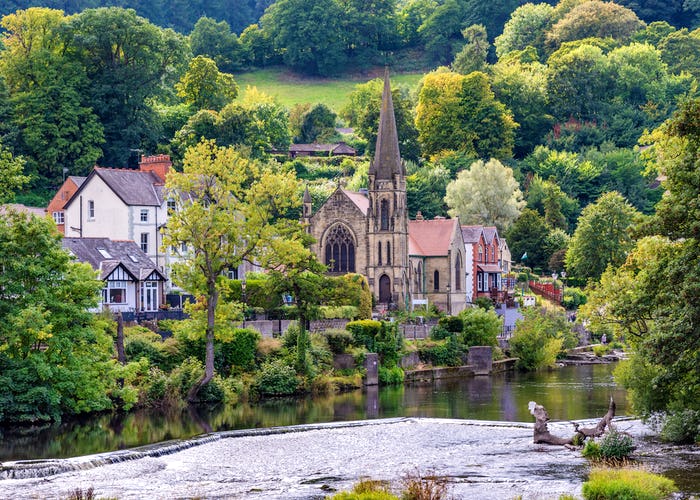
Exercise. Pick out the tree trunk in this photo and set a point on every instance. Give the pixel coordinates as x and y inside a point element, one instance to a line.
<point>212,301</point>
<point>542,435</point>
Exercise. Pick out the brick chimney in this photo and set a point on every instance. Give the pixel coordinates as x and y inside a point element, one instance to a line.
<point>158,164</point>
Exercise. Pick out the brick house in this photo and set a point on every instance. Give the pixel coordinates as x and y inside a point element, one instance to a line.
<point>57,204</point>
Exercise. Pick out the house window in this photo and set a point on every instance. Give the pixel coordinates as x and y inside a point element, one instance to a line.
<point>340,250</point>
<point>144,242</point>
<point>144,215</point>
<point>480,282</point>
<point>458,272</point>
<point>91,210</point>
<point>114,292</point>
<point>172,207</point>
<point>436,281</point>
<point>59,217</point>
<point>384,218</point>
<point>481,253</point>
<point>388,252</point>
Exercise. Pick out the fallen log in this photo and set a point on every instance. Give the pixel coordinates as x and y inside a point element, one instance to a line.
<point>541,434</point>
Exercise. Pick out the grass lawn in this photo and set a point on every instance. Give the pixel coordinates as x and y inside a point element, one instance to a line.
<point>290,88</point>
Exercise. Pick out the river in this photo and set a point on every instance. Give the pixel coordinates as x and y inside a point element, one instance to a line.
<point>570,392</point>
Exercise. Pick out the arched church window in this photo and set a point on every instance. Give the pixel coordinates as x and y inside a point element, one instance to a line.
<point>436,280</point>
<point>419,278</point>
<point>340,250</point>
<point>458,272</point>
<point>379,253</point>
<point>384,215</point>
<point>388,252</point>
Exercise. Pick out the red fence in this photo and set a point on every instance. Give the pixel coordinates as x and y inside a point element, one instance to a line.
<point>547,291</point>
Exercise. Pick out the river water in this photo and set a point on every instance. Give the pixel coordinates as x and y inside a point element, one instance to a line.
<point>570,392</point>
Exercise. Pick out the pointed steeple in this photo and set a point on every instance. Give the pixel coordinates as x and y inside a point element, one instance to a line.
<point>307,195</point>
<point>387,158</point>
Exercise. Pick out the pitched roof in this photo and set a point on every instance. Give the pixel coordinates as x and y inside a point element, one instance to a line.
<point>338,148</point>
<point>471,234</point>
<point>358,199</point>
<point>105,255</point>
<point>133,187</point>
<point>430,238</point>
<point>77,179</point>
<point>18,207</point>
<point>489,233</point>
<point>387,158</point>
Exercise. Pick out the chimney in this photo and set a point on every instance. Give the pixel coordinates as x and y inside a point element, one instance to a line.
<point>158,164</point>
<point>419,215</point>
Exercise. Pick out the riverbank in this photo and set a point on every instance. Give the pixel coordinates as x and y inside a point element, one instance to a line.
<point>479,459</point>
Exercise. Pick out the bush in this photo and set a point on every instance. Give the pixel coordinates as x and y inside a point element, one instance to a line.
<point>420,487</point>
<point>484,303</point>
<point>439,332</point>
<point>367,489</point>
<point>533,344</point>
<point>682,427</point>
<point>338,340</point>
<point>573,297</point>
<point>600,350</point>
<point>480,327</point>
<point>591,450</point>
<point>277,378</point>
<point>388,344</point>
<point>633,484</point>
<point>239,353</point>
<point>616,445</point>
<point>363,332</point>
<point>391,376</point>
<point>447,353</point>
<point>452,324</point>
<point>339,312</point>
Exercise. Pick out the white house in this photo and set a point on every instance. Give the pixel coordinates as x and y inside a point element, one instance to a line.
<point>132,280</point>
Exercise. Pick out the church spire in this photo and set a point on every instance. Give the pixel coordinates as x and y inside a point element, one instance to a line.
<point>387,158</point>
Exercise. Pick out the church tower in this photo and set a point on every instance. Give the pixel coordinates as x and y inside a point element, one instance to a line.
<point>387,217</point>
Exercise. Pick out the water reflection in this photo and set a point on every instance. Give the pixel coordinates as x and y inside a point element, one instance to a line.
<point>567,393</point>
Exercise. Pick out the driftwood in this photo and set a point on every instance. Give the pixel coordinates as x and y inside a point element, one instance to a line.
<point>542,434</point>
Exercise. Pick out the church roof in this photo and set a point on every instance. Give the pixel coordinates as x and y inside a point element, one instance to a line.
<point>387,158</point>
<point>358,199</point>
<point>431,238</point>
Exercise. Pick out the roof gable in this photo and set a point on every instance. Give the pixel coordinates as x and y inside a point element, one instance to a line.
<point>431,238</point>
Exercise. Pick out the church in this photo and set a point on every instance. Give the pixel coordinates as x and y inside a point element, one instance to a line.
<point>406,263</point>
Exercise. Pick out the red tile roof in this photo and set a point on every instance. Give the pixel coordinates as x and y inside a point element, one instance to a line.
<point>430,238</point>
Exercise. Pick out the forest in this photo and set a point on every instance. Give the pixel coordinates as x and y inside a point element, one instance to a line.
<point>560,123</point>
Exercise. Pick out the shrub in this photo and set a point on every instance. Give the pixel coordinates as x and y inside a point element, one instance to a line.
<point>363,332</point>
<point>367,489</point>
<point>532,346</point>
<point>682,427</point>
<point>480,327</point>
<point>439,332</point>
<point>484,303</point>
<point>600,350</point>
<point>424,487</point>
<point>616,445</point>
<point>625,483</point>
<point>388,344</point>
<point>573,297</point>
<point>452,324</point>
<point>338,340</point>
<point>277,378</point>
<point>591,450</point>
<point>339,312</point>
<point>447,353</point>
<point>239,352</point>
<point>268,348</point>
<point>391,376</point>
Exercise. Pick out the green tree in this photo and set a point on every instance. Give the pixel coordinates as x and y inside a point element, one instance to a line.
<point>125,58</point>
<point>473,55</point>
<point>441,30</point>
<point>486,194</point>
<point>55,355</point>
<point>539,337</point>
<point>11,174</point>
<point>56,128</point>
<point>595,20</point>
<point>215,40</point>
<point>480,327</point>
<point>558,209</point>
<point>425,190</point>
<point>602,237</point>
<point>527,27</point>
<point>409,18</point>
<point>306,33</point>
<point>317,124</point>
<point>460,113</point>
<point>680,50</point>
<point>204,87</point>
<point>228,212</point>
<point>527,236</point>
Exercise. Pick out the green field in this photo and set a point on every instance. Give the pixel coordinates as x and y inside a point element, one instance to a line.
<point>290,88</point>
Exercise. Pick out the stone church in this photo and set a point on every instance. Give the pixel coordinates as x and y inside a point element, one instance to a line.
<point>368,232</point>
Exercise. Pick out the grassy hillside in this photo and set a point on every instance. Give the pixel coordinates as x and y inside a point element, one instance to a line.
<point>290,88</point>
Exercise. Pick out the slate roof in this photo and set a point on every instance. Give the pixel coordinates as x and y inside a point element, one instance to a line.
<point>338,148</point>
<point>133,187</point>
<point>430,238</point>
<point>126,253</point>
<point>387,158</point>
<point>489,233</point>
<point>77,179</point>
<point>471,234</point>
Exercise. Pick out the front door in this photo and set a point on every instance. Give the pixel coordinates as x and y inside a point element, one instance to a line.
<point>149,296</point>
<point>384,289</point>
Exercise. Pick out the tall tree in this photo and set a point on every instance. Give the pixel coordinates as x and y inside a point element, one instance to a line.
<point>460,113</point>
<point>11,174</point>
<point>55,355</point>
<point>473,55</point>
<point>229,210</point>
<point>485,194</point>
<point>527,27</point>
<point>203,86</point>
<point>215,40</point>
<point>602,237</point>
<point>526,238</point>
<point>126,57</point>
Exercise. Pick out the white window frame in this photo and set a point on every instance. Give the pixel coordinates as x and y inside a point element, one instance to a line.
<point>143,216</point>
<point>91,209</point>
<point>144,243</point>
<point>59,217</point>
<point>112,286</point>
